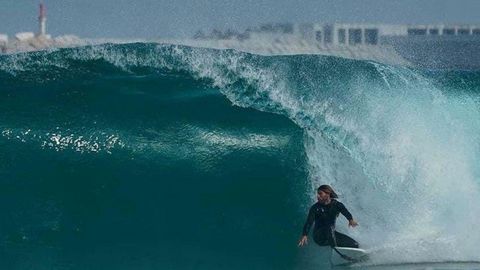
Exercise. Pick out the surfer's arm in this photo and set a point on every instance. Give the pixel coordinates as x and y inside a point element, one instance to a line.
<point>306,228</point>
<point>345,212</point>
<point>309,222</point>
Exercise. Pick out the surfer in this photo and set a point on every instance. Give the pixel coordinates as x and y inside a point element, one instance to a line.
<point>324,213</point>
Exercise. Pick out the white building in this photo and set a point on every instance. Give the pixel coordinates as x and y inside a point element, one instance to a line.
<point>24,36</point>
<point>347,34</point>
<point>3,39</point>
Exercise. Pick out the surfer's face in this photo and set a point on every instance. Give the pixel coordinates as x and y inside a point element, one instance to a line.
<point>322,196</point>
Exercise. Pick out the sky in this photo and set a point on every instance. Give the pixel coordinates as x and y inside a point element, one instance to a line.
<point>182,18</point>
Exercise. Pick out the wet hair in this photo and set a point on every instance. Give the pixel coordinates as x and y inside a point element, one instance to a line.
<point>328,189</point>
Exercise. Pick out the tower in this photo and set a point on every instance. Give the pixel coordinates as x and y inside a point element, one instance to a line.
<point>42,21</point>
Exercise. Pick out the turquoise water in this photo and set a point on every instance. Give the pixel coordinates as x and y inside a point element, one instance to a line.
<point>146,156</point>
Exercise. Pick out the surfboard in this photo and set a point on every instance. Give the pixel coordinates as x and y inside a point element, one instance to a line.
<point>345,256</point>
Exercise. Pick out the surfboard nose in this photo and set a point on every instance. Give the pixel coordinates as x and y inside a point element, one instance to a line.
<point>345,256</point>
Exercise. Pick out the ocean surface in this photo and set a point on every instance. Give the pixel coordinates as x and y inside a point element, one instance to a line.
<point>148,156</point>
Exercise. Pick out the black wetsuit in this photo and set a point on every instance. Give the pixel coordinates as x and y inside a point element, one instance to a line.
<point>324,216</point>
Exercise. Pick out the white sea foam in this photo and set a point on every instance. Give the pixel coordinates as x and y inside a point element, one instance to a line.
<point>411,177</point>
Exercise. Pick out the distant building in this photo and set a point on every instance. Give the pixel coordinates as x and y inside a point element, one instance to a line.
<point>24,36</point>
<point>3,39</point>
<point>339,34</point>
<point>29,41</point>
<point>42,24</point>
<point>347,34</point>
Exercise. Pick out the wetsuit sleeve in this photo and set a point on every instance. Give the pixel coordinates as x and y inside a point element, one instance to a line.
<point>344,211</point>
<point>309,222</point>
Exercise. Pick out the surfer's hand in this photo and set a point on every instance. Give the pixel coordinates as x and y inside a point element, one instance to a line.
<point>303,241</point>
<point>352,223</point>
